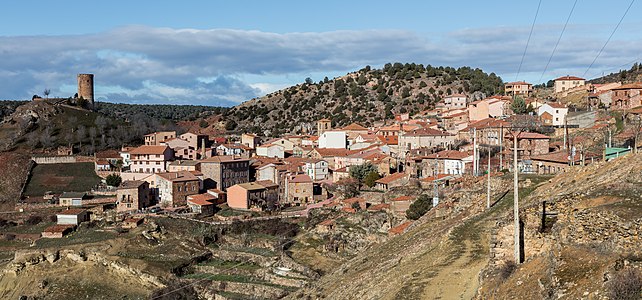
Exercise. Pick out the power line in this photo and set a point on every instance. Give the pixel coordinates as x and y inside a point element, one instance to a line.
<point>616,68</point>
<point>609,39</point>
<point>558,41</point>
<point>529,40</point>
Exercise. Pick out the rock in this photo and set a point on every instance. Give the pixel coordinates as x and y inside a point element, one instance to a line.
<point>52,257</point>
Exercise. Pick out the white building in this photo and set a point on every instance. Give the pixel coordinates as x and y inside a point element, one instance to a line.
<point>333,139</point>
<point>270,150</point>
<point>455,101</point>
<point>150,159</point>
<point>552,113</point>
<point>566,83</point>
<point>317,169</point>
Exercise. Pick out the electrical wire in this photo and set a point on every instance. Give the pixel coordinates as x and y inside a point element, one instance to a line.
<point>609,39</point>
<point>558,41</point>
<point>529,40</point>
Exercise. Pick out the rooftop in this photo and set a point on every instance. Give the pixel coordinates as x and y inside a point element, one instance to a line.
<point>73,211</point>
<point>251,186</point>
<point>130,184</point>
<point>147,149</point>
<point>391,178</point>
<point>72,195</point>
<point>201,199</point>
<point>567,77</point>
<point>178,176</point>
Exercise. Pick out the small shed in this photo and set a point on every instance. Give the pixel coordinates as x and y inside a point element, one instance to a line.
<point>132,222</point>
<point>72,217</point>
<point>201,203</point>
<point>72,199</point>
<point>57,231</point>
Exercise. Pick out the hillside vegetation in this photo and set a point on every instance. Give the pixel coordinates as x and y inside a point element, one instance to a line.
<point>634,74</point>
<point>365,96</point>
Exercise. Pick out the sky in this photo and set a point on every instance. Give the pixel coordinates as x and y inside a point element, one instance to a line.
<point>227,52</point>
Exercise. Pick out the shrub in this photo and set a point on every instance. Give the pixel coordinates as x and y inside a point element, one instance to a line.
<point>113,180</point>
<point>371,178</point>
<point>419,208</point>
<point>203,124</point>
<point>507,269</point>
<point>625,284</point>
<point>33,220</point>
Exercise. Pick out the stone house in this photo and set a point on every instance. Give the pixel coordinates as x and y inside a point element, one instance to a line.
<point>174,187</point>
<point>393,180</point>
<point>626,96</point>
<point>401,203</point>
<point>133,195</point>
<point>203,204</point>
<point>252,195</point>
<point>221,172</point>
<point>299,190</point>
<point>425,138</point>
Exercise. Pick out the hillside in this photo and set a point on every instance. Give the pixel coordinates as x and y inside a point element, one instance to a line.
<point>365,96</point>
<point>583,250</point>
<point>634,74</point>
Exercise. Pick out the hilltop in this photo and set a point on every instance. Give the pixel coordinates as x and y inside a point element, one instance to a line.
<point>634,74</point>
<point>365,96</point>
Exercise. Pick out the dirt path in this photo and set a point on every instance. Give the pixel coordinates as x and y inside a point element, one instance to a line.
<point>457,280</point>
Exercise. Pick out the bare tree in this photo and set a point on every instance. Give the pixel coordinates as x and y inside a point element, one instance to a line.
<point>46,138</point>
<point>47,92</point>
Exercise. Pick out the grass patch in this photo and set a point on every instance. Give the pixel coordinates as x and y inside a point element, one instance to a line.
<point>237,296</point>
<point>81,236</point>
<point>253,250</point>
<point>74,177</point>
<point>38,228</point>
<point>228,212</point>
<point>236,278</point>
<point>229,264</point>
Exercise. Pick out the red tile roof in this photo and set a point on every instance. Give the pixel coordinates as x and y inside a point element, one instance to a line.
<point>556,105</point>
<point>178,176</point>
<point>630,86</point>
<point>201,199</point>
<point>149,150</point>
<point>354,127</point>
<point>353,200</point>
<point>301,178</point>
<point>391,178</point>
<point>73,211</point>
<point>389,140</point>
<point>400,228</point>
<point>403,198</point>
<point>569,78</point>
<point>530,136</point>
<point>59,228</point>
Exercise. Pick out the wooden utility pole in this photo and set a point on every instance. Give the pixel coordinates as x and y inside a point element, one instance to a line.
<point>516,202</point>
<point>501,141</point>
<point>475,162</point>
<point>488,184</point>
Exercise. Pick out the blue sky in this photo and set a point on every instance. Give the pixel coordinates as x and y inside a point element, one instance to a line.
<point>225,52</point>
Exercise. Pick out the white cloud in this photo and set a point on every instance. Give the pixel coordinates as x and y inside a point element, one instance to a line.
<point>165,65</point>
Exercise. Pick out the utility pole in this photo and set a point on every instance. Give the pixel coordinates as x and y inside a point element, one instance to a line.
<point>435,196</point>
<point>488,184</point>
<point>475,151</point>
<point>516,202</point>
<point>501,141</point>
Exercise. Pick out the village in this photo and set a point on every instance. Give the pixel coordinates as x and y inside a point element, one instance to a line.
<point>244,176</point>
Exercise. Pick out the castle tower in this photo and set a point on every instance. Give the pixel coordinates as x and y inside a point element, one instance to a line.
<point>323,125</point>
<point>86,88</point>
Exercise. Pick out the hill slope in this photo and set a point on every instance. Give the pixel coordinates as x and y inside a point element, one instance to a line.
<point>365,96</point>
<point>466,252</point>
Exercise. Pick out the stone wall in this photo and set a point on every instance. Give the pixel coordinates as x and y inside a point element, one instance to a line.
<point>47,160</point>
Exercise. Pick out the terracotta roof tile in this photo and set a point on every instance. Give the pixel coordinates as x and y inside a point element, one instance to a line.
<point>391,178</point>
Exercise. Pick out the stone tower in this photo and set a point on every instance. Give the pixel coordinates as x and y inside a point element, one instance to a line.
<point>86,88</point>
<point>323,125</point>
